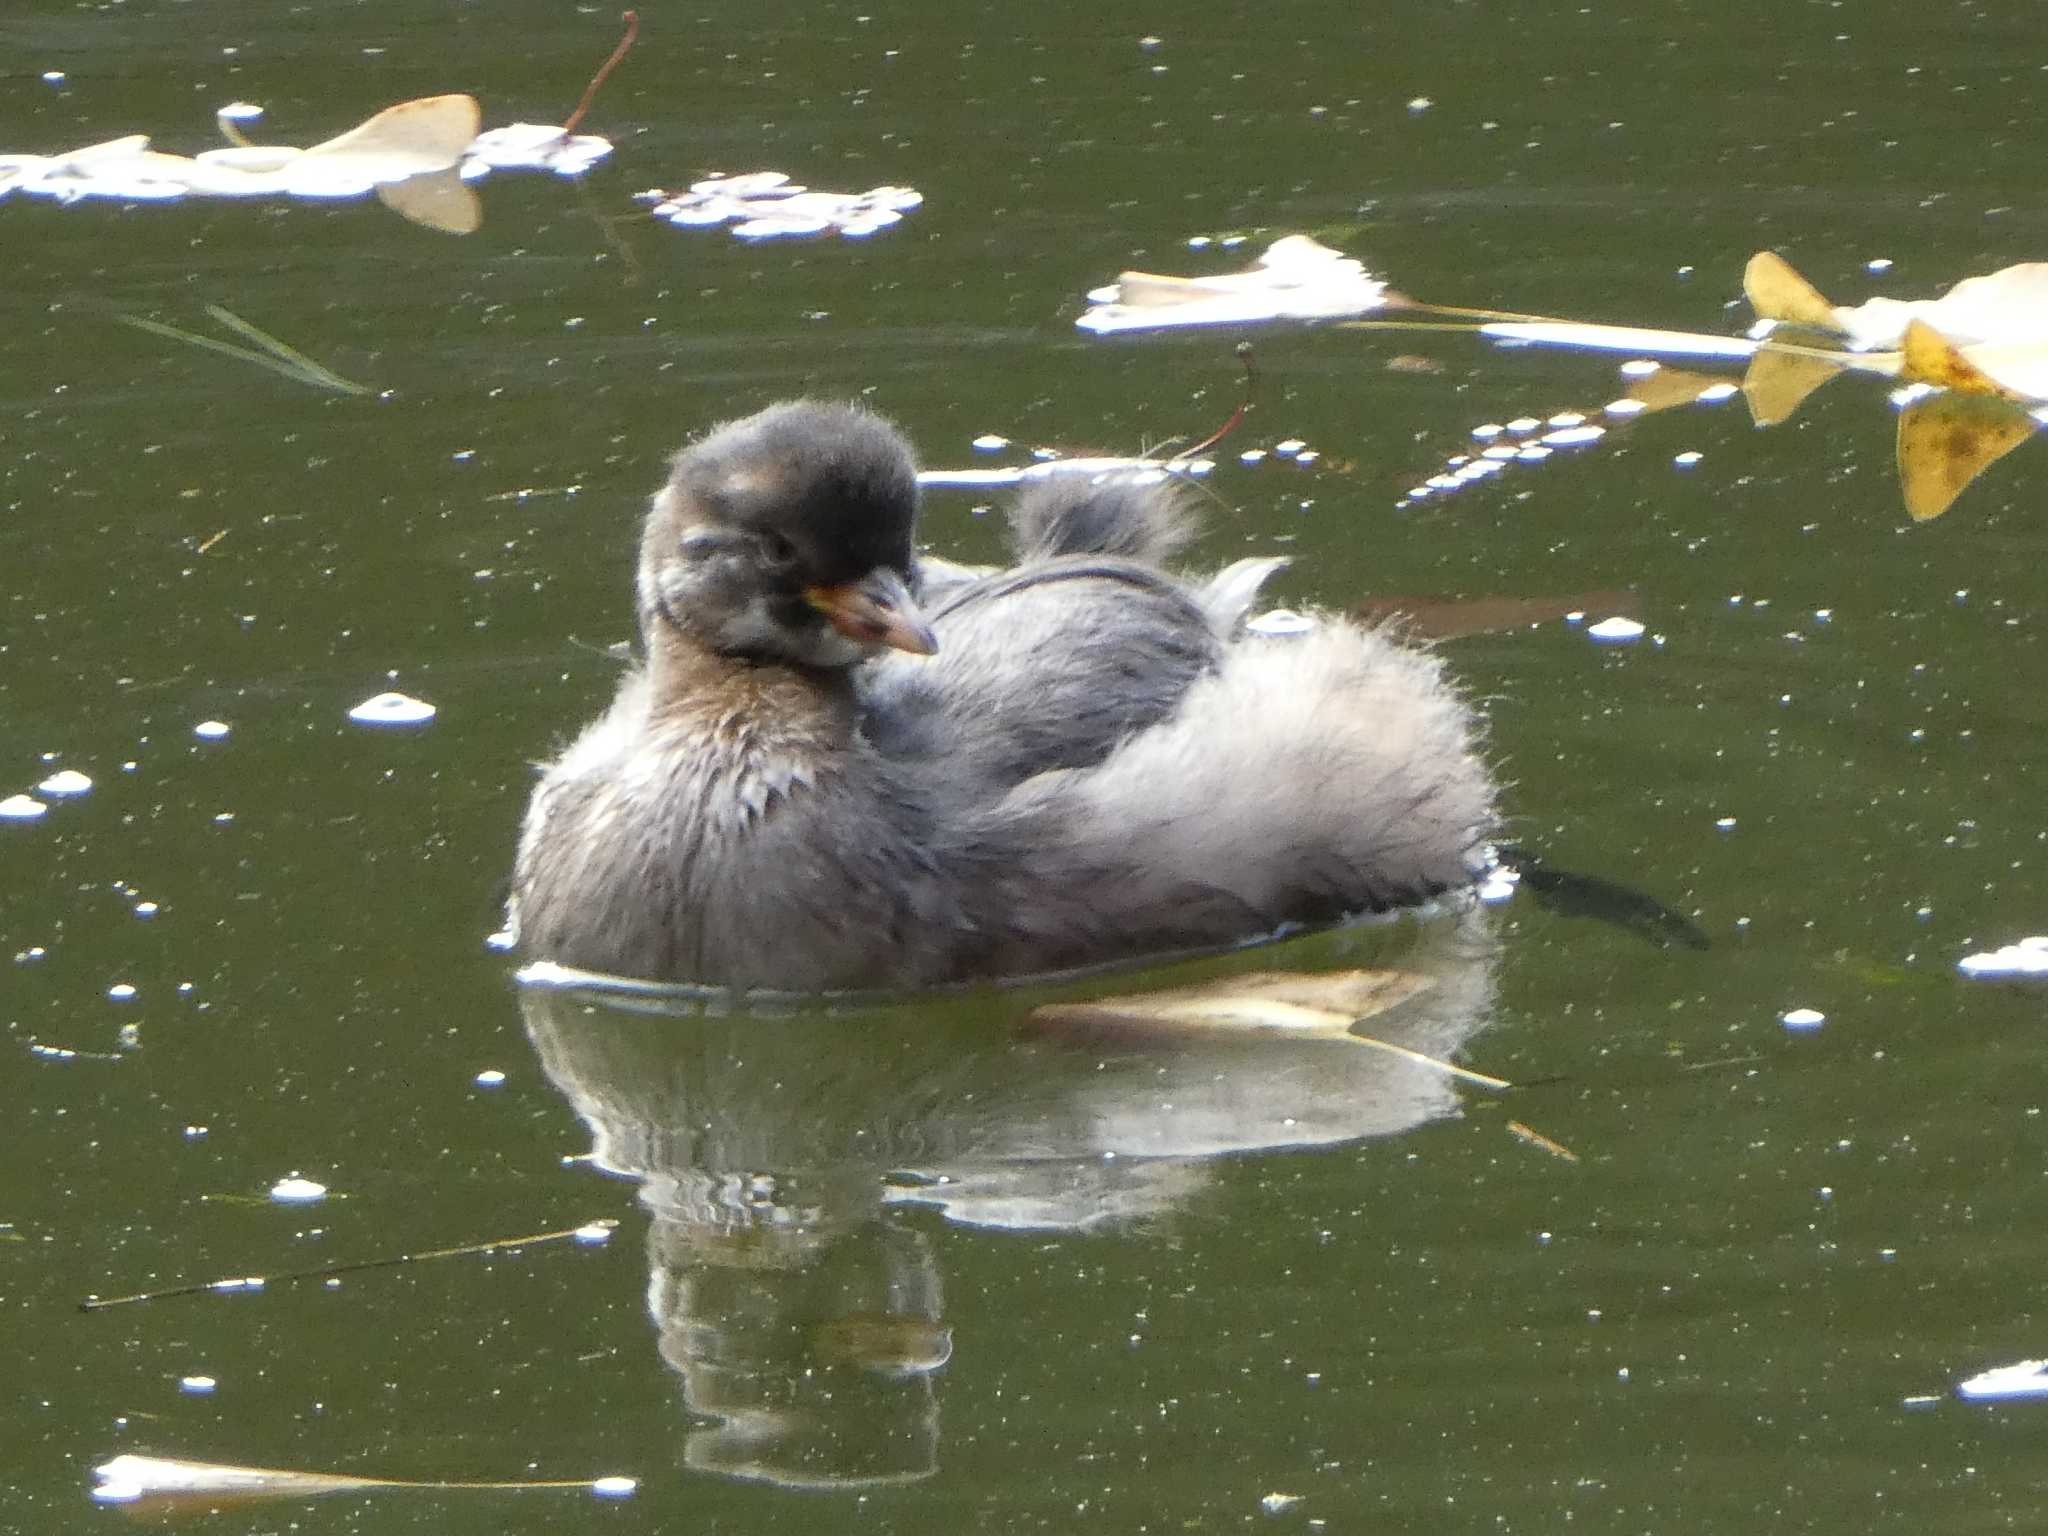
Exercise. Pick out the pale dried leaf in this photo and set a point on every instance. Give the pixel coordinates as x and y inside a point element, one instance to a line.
<point>1296,278</point>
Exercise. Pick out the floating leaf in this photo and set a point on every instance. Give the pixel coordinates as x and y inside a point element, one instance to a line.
<point>1296,279</point>
<point>2010,306</point>
<point>161,1483</point>
<point>413,138</point>
<point>1777,292</point>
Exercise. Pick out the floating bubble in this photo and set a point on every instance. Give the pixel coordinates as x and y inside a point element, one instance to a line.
<point>2027,958</point>
<point>2023,1378</point>
<point>21,808</point>
<point>68,781</point>
<point>1616,631</point>
<point>615,1487</point>
<point>1280,623</point>
<point>392,709</point>
<point>297,1191</point>
<point>490,1077</point>
<point>1573,437</point>
<point>210,730</point>
<point>122,992</point>
<point>198,1386</point>
<point>1802,1018</point>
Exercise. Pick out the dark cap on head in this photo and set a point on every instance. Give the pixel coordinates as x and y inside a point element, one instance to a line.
<point>837,483</point>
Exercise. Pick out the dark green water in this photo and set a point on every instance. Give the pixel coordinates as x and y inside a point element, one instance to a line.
<point>1177,1278</point>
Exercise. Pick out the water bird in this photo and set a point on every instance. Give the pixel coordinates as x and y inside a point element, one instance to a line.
<point>837,766</point>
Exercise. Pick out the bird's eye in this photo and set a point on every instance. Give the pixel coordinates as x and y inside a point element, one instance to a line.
<point>778,549</point>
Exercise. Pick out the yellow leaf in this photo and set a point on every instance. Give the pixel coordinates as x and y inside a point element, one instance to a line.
<point>1777,292</point>
<point>1947,440</point>
<point>1777,383</point>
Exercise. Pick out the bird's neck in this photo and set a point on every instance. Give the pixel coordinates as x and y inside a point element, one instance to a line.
<point>691,683</point>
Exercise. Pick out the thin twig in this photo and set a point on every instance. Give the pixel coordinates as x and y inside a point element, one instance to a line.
<point>255,1282</point>
<point>632,21</point>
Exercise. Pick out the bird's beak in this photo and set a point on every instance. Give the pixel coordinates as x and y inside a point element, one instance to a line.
<point>876,610</point>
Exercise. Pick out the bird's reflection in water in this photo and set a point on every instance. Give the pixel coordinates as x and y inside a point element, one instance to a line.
<point>806,1320</point>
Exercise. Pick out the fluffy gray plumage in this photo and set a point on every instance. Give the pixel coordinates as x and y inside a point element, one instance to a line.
<point>1096,763</point>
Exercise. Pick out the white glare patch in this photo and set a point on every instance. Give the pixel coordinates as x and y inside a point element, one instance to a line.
<point>1615,631</point>
<point>594,1234</point>
<point>392,709</point>
<point>2027,958</point>
<point>615,1487</point>
<point>122,992</point>
<point>1687,459</point>
<point>1623,408</point>
<point>1487,430</point>
<point>68,781</point>
<point>490,1077</point>
<point>1280,623</point>
<point>1290,447</point>
<point>767,205</point>
<point>1252,456</point>
<point>1524,424</point>
<point>1714,394</point>
<point>1500,884</point>
<point>1280,1503</point>
<point>198,1386</point>
<point>533,147</point>
<point>503,939</point>
<point>146,909</point>
<point>1640,368</point>
<point>297,1191</point>
<point>210,730</point>
<point>2024,1378</point>
<point>1878,264</point>
<point>1802,1018</point>
<point>1724,824</point>
<point>988,442</point>
<point>1419,104</point>
<point>21,808</point>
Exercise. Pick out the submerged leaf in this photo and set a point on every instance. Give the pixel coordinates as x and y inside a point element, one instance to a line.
<point>1265,1001</point>
<point>1297,1005</point>
<point>439,200</point>
<point>1452,618</point>
<point>1777,383</point>
<point>1947,440</point>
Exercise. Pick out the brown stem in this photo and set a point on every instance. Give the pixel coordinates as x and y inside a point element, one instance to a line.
<point>632,21</point>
